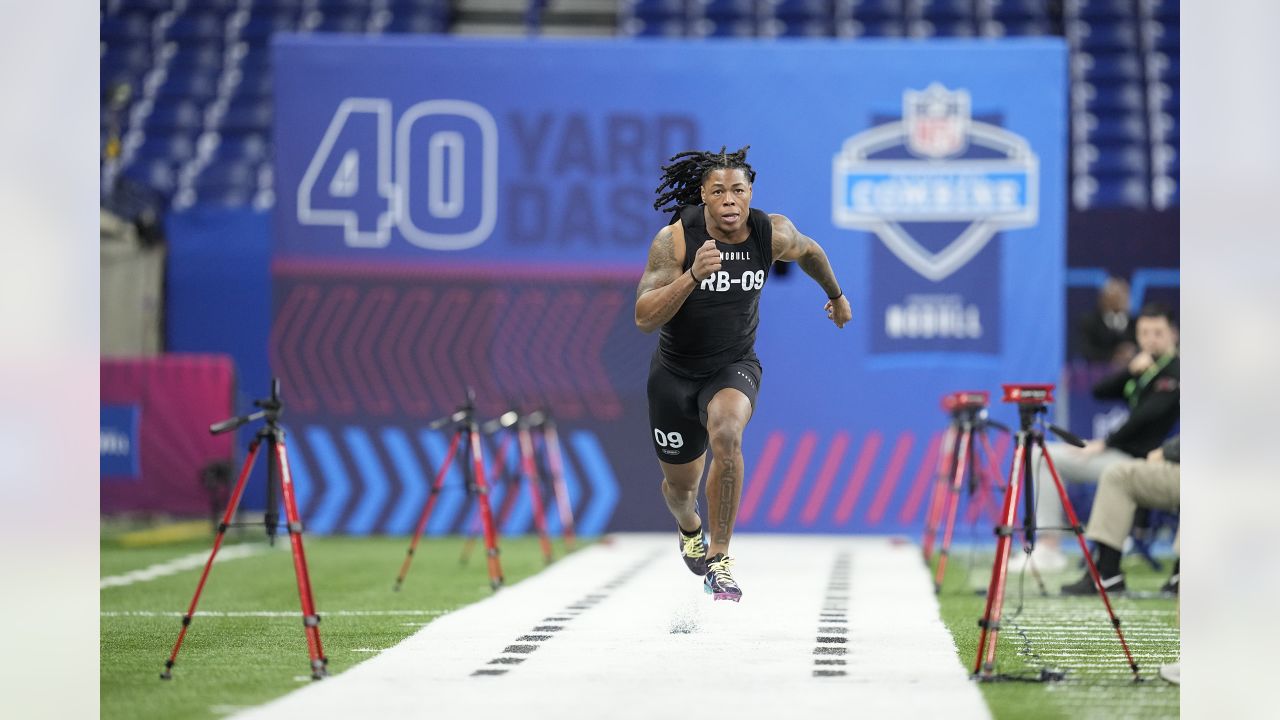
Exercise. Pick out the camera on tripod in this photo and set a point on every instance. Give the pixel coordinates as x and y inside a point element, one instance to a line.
<point>1033,401</point>
<point>1028,394</point>
<point>966,400</point>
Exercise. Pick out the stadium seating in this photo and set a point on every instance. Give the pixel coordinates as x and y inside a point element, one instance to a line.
<point>199,73</point>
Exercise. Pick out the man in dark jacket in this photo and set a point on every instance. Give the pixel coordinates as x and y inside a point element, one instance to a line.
<point>1106,334</point>
<point>1150,386</point>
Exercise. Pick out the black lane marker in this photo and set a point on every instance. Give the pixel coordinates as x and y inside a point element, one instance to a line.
<point>832,619</point>
<point>533,640</point>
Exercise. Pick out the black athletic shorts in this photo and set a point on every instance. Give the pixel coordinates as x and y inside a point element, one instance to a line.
<point>678,406</point>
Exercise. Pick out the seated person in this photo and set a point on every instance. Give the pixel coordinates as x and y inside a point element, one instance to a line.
<point>1107,333</point>
<point>1124,487</point>
<point>1150,386</point>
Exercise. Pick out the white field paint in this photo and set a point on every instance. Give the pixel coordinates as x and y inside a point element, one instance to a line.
<point>623,630</point>
<point>181,564</point>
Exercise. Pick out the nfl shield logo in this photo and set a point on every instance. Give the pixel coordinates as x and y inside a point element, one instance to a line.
<point>937,121</point>
<point>902,200</point>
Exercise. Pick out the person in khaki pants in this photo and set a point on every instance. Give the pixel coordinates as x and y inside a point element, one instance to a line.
<point>1122,489</point>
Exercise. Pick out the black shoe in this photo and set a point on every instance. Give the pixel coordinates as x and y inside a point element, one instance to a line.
<point>1085,586</point>
<point>693,548</point>
<point>1170,586</point>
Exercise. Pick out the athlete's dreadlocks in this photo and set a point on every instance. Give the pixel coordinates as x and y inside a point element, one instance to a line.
<point>682,179</point>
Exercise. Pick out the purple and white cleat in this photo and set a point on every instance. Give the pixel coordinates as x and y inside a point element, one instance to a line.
<point>719,583</point>
<point>693,550</point>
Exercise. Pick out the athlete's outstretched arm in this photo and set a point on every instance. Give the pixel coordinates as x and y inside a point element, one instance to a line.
<point>663,287</point>
<point>790,244</point>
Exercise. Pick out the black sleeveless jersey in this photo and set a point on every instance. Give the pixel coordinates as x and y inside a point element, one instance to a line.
<point>716,325</point>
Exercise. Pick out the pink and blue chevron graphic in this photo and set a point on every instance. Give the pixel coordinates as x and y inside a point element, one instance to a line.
<point>370,356</point>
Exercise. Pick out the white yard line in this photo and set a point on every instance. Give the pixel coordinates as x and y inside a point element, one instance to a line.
<point>623,630</point>
<point>181,564</point>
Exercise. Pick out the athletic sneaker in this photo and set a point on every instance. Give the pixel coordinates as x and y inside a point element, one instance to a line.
<point>1170,586</point>
<point>719,583</point>
<point>693,548</point>
<point>1084,586</point>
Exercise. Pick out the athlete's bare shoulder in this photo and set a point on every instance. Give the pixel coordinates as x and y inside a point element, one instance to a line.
<point>666,258</point>
<point>781,224</point>
<point>677,240</point>
<point>785,237</point>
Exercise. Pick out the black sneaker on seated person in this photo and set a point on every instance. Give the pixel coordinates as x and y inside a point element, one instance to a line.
<point>1085,586</point>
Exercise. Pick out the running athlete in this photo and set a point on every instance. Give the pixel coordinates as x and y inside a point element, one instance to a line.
<point>701,286</point>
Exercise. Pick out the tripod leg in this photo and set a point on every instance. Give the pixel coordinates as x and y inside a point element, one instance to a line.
<point>426,511</point>
<point>990,623</point>
<point>486,514</point>
<point>535,492</point>
<point>551,446</point>
<point>1030,518</point>
<point>938,498</point>
<point>217,543</point>
<point>310,618</point>
<point>964,448</point>
<point>271,518</point>
<point>510,495</point>
<point>992,473</point>
<point>1088,558</point>
<point>474,527</point>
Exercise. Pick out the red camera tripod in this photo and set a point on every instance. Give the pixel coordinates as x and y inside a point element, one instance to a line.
<point>466,436</point>
<point>1033,403</point>
<point>541,470</point>
<point>968,430</point>
<point>277,472</point>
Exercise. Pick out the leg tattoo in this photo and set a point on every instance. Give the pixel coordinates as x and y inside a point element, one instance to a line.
<point>726,506</point>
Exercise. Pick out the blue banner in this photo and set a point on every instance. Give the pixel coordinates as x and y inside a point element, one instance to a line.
<point>456,213</point>
<point>118,442</point>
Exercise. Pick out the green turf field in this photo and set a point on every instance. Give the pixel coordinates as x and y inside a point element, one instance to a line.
<point>251,648</point>
<point>1071,634</point>
<point>244,658</point>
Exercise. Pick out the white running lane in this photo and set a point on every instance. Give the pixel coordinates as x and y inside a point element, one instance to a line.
<point>622,630</point>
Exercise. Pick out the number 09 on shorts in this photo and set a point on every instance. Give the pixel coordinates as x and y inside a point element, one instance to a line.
<point>672,440</point>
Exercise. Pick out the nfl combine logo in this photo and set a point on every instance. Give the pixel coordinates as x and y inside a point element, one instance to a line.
<point>937,121</point>
<point>936,166</point>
